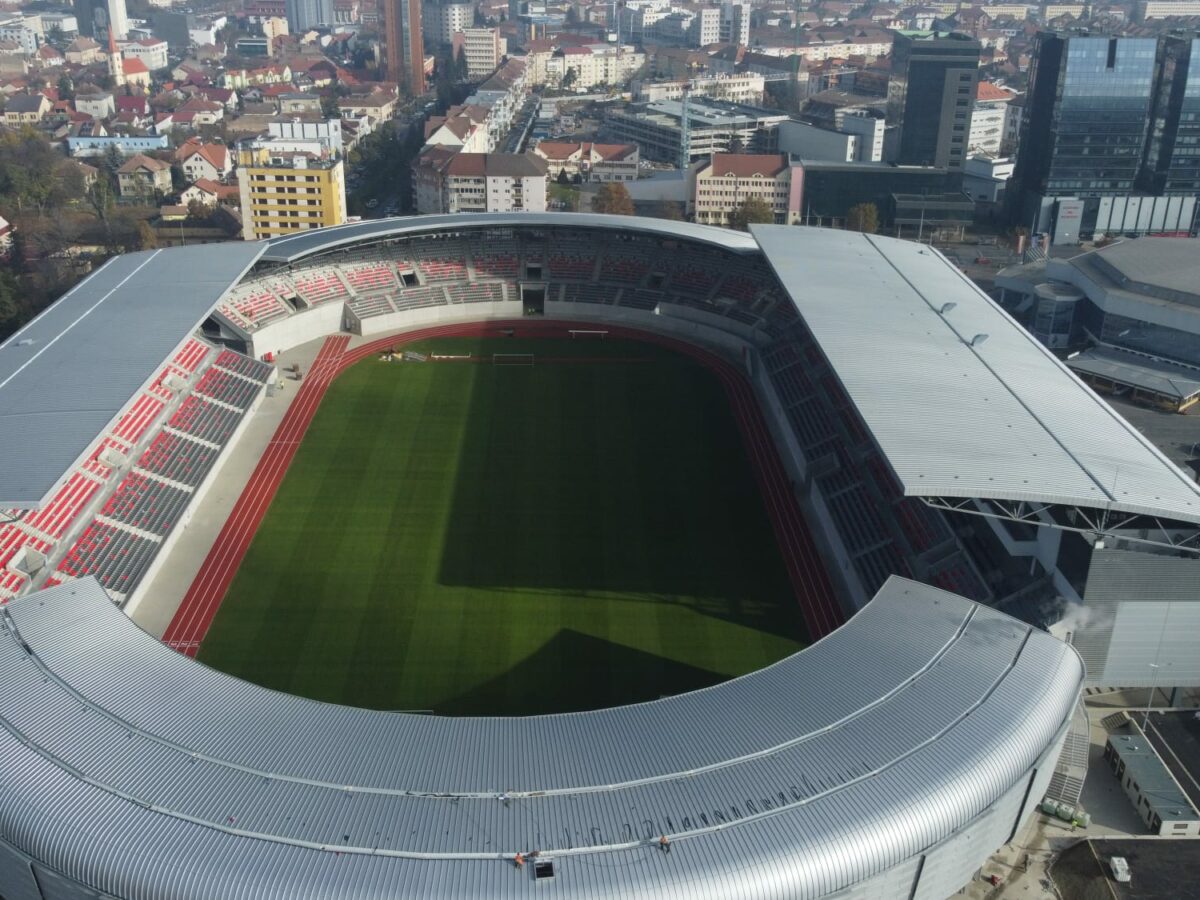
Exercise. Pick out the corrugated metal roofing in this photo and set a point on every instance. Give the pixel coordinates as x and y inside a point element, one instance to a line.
<point>1123,575</point>
<point>999,419</point>
<point>67,375</point>
<point>816,773</point>
<point>294,246</point>
<point>1134,369</point>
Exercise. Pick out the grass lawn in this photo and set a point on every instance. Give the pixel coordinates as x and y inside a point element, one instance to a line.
<point>476,539</point>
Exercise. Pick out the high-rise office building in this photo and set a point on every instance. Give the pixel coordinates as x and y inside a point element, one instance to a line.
<point>303,15</point>
<point>96,17</point>
<point>1086,115</point>
<point>1173,153</point>
<point>931,94</point>
<point>1109,137</point>
<point>405,47</point>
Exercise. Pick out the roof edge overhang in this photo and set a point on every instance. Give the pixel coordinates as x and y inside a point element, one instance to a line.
<point>293,247</point>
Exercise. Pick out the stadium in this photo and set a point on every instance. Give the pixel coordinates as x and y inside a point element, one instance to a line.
<point>493,555</point>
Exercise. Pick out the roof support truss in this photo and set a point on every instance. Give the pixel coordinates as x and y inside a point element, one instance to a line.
<point>1123,526</point>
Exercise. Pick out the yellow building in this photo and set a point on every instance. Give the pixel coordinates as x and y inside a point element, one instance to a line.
<point>287,190</point>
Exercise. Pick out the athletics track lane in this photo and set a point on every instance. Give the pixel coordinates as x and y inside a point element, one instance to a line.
<point>807,573</point>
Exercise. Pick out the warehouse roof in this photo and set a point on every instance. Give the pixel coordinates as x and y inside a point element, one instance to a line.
<point>963,401</point>
<point>267,792</point>
<point>67,375</point>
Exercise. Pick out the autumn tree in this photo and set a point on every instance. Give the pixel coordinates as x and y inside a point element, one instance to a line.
<point>613,198</point>
<point>863,217</point>
<point>752,210</point>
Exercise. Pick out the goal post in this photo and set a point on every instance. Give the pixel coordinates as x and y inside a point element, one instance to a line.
<point>512,359</point>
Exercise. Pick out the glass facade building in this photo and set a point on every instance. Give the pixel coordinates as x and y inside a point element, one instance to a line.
<point>931,95</point>
<point>1173,155</point>
<point>1108,117</point>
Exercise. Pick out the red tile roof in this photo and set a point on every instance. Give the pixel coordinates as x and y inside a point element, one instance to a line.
<point>745,165</point>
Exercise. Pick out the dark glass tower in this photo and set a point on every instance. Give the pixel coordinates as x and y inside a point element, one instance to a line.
<point>1086,120</point>
<point>1173,154</point>
<point>931,94</point>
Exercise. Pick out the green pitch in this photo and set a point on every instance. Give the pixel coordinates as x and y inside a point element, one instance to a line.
<point>475,539</point>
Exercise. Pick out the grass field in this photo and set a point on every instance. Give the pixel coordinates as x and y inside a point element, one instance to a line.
<point>475,539</point>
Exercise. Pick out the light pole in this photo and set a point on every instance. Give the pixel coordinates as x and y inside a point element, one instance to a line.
<point>1150,698</point>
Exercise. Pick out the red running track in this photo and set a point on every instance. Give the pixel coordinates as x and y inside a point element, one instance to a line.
<point>809,579</point>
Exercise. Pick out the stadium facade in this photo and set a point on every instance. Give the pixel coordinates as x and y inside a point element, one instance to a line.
<point>947,464</point>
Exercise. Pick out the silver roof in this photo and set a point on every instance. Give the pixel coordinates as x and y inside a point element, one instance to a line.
<point>144,774</point>
<point>1170,263</point>
<point>1138,370</point>
<point>67,375</point>
<point>1002,419</point>
<point>294,246</point>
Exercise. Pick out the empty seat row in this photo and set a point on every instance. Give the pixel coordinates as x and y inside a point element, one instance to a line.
<point>205,420</point>
<point>244,366</point>
<point>178,458</point>
<point>228,388</point>
<point>117,558</point>
<point>366,307</point>
<point>146,503</point>
<point>54,518</point>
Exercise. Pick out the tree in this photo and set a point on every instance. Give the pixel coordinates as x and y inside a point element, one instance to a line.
<point>735,145</point>
<point>569,78</point>
<point>863,217</point>
<point>66,89</point>
<point>672,210</point>
<point>613,198</point>
<point>462,71</point>
<point>563,177</point>
<point>750,211</point>
<point>147,237</point>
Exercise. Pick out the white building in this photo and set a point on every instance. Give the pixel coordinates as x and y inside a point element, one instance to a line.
<point>448,182</point>
<point>744,87</point>
<point>483,48</point>
<point>986,177</point>
<point>17,29</point>
<point>151,51</point>
<point>593,65</point>
<point>303,135</point>
<point>1162,9</point>
<point>988,119</point>
<point>718,186</point>
<point>440,21</point>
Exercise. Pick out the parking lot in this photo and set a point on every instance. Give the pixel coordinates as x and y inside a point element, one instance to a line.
<point>1160,870</point>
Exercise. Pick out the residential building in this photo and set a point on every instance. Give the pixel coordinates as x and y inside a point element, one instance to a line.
<point>377,106</point>
<point>153,52</point>
<point>210,193</point>
<point>712,127</point>
<point>283,192</point>
<point>143,177</point>
<point>440,21</point>
<point>462,128</point>
<point>931,94</point>
<point>304,15</point>
<point>98,106</point>
<point>735,23</point>
<point>297,103</point>
<point>590,161</point>
<point>501,95</point>
<point>450,182</point>
<point>405,47</point>
<point>743,87</point>
<point>201,161</point>
<point>718,186</point>
<point>1164,9</point>
<point>298,133</point>
<point>586,67</point>
<point>83,51</point>
<point>483,49</point>
<point>25,109</point>
<point>1108,137</point>
<point>988,119</point>
<point>17,30</point>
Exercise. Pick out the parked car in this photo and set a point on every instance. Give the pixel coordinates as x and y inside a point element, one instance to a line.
<point>1120,869</point>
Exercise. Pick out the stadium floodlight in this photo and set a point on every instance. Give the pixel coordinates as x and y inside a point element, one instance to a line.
<point>978,339</point>
<point>946,307</point>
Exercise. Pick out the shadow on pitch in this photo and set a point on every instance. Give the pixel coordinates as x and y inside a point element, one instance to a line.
<point>642,488</point>
<point>548,681</point>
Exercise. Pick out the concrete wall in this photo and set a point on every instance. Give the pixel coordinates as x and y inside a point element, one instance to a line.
<point>293,331</point>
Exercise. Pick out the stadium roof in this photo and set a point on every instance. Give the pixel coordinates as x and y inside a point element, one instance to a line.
<point>112,740</point>
<point>292,247</point>
<point>67,375</point>
<point>963,401</point>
